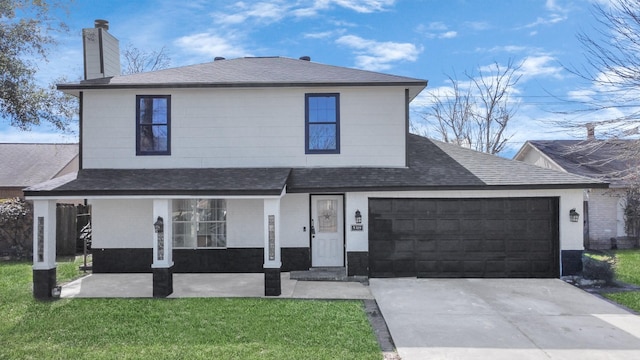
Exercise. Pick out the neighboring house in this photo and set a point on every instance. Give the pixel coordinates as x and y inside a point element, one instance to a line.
<point>275,164</point>
<point>611,161</point>
<point>24,165</point>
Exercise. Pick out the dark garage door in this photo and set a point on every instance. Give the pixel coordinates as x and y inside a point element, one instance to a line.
<point>498,237</point>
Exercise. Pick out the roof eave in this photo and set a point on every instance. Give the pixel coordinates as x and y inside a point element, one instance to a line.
<point>80,86</point>
<point>334,189</point>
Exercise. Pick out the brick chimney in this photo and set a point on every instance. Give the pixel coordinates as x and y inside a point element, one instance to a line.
<point>101,52</point>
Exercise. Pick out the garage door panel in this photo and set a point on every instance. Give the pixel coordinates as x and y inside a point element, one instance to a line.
<point>426,245</point>
<point>472,245</point>
<point>517,246</point>
<point>471,225</point>
<point>507,237</point>
<point>381,226</point>
<point>448,226</point>
<point>494,245</point>
<point>426,226</point>
<point>405,245</point>
<point>446,245</point>
<point>404,226</point>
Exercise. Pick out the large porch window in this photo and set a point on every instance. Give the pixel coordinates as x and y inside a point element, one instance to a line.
<point>199,223</point>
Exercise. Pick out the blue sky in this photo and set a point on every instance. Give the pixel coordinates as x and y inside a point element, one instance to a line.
<point>425,39</point>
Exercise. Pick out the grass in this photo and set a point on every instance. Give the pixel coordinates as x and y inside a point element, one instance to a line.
<point>175,328</point>
<point>628,266</point>
<point>627,270</point>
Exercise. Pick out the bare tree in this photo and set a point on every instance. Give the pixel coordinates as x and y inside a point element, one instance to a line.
<point>475,113</point>
<point>137,61</point>
<point>612,68</point>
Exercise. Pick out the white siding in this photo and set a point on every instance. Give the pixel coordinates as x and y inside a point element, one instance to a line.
<point>294,209</point>
<point>129,223</point>
<point>534,157</point>
<point>122,223</point>
<point>245,128</point>
<point>244,223</point>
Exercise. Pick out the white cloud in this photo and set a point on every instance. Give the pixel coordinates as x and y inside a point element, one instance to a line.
<point>262,12</point>
<point>448,35</point>
<point>374,55</point>
<point>552,19</point>
<point>541,65</point>
<point>211,45</point>
<point>275,10</point>
<point>365,6</point>
<point>324,34</point>
<point>478,25</point>
<point>436,30</point>
<point>436,26</point>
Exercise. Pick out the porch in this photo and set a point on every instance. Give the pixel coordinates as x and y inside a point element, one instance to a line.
<point>210,285</point>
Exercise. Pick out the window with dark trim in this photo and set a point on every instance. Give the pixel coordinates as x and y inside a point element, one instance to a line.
<point>322,123</point>
<point>199,223</point>
<point>153,125</point>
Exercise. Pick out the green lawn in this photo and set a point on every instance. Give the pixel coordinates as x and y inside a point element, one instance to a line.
<point>627,270</point>
<point>211,328</point>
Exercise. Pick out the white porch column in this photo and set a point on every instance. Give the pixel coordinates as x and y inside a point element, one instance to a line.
<point>272,261</point>
<point>44,248</point>
<point>162,266</point>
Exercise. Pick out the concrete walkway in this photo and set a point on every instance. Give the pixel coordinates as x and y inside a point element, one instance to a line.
<point>209,285</point>
<point>503,319</point>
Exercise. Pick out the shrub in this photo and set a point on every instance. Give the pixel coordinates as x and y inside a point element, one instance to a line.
<point>598,267</point>
<point>16,219</point>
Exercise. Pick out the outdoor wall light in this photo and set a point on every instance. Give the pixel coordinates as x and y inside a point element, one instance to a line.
<point>159,225</point>
<point>358,217</point>
<point>574,215</point>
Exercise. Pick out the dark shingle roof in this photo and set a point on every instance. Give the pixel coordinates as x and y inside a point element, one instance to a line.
<point>23,165</point>
<point>227,181</point>
<point>251,72</point>
<point>433,165</point>
<point>610,160</point>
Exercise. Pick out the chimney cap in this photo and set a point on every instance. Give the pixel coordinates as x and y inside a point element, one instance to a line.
<point>591,131</point>
<point>305,58</point>
<point>101,24</point>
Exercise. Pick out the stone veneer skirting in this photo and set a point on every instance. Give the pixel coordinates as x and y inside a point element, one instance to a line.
<point>357,263</point>
<point>249,260</point>
<point>230,260</point>
<point>43,282</point>
<point>571,262</point>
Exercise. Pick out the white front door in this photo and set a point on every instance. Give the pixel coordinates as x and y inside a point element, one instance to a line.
<point>327,239</point>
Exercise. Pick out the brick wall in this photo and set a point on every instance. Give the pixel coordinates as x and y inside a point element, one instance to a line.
<point>10,192</point>
<point>604,219</point>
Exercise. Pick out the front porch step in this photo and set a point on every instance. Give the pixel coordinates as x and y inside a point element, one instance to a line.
<point>321,274</point>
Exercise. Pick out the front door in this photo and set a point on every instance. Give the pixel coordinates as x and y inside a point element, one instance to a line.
<point>327,235</point>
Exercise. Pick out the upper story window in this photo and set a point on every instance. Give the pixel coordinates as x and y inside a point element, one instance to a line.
<point>153,125</point>
<point>322,123</point>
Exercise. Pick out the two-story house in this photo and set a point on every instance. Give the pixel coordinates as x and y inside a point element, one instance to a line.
<point>273,164</point>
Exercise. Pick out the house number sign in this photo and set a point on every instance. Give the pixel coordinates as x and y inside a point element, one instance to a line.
<point>272,237</point>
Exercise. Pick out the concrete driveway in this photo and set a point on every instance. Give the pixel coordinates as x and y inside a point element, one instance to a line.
<point>503,319</point>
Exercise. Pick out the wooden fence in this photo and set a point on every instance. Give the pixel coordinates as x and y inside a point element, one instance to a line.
<point>70,219</point>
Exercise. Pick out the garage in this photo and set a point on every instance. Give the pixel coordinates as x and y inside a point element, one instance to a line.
<point>464,238</point>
